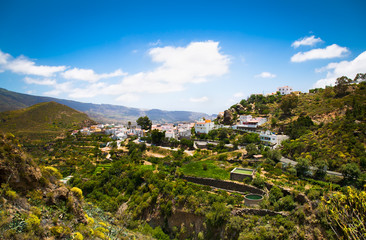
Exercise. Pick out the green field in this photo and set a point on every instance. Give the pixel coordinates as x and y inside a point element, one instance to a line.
<point>212,170</point>
<point>102,167</point>
<point>148,167</point>
<point>241,171</point>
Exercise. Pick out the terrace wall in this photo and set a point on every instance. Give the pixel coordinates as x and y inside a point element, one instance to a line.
<point>255,211</point>
<point>227,185</point>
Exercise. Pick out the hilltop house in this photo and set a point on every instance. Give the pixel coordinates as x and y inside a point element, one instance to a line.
<point>285,90</point>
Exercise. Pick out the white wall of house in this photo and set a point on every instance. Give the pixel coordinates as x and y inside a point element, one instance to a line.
<point>204,127</point>
<point>272,138</point>
<point>285,90</point>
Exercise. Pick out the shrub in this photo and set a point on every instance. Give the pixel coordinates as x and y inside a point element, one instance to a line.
<point>77,236</point>
<point>258,181</point>
<point>286,203</point>
<point>10,194</point>
<point>53,172</point>
<point>32,222</point>
<point>77,192</point>
<point>57,231</point>
<point>275,194</point>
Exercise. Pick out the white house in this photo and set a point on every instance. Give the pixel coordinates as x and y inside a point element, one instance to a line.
<point>249,124</point>
<point>271,138</point>
<point>170,134</point>
<point>285,90</point>
<point>204,126</point>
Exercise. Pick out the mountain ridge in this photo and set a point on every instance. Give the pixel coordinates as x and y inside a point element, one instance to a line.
<point>10,100</point>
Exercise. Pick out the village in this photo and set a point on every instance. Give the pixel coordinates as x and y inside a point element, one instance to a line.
<point>178,131</point>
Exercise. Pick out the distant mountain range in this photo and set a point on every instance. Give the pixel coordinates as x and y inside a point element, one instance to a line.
<point>99,112</point>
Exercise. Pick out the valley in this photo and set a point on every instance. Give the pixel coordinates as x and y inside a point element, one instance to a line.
<point>65,176</point>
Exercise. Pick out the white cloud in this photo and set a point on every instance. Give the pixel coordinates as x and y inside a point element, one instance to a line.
<point>60,88</point>
<point>128,97</point>
<point>239,95</point>
<point>344,68</point>
<point>306,41</point>
<point>4,57</point>
<point>331,51</point>
<point>46,81</point>
<point>177,67</point>
<point>265,75</point>
<point>196,63</point>
<point>89,74</point>
<point>23,65</point>
<point>198,100</point>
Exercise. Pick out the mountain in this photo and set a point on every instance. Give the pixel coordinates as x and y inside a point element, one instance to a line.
<point>100,112</point>
<point>48,119</point>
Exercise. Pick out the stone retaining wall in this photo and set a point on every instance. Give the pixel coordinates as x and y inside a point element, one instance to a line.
<point>233,186</point>
<point>255,211</point>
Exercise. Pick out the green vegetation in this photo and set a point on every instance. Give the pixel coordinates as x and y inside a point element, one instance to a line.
<point>144,122</point>
<point>138,191</point>
<point>42,121</point>
<point>241,171</point>
<point>207,168</point>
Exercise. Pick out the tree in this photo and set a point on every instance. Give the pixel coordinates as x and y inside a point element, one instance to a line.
<point>321,169</point>
<point>129,124</point>
<point>275,194</point>
<point>157,137</point>
<point>288,103</point>
<point>350,172</point>
<point>302,167</point>
<point>144,122</point>
<point>360,77</point>
<point>251,150</point>
<point>341,86</point>
<point>218,214</point>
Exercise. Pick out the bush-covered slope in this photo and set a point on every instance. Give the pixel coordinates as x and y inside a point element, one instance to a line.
<point>324,125</point>
<point>44,120</point>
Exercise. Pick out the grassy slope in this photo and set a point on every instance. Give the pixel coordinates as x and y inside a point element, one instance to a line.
<point>212,171</point>
<point>43,119</point>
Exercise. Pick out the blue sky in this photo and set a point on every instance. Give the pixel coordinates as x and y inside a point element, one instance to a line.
<point>177,55</point>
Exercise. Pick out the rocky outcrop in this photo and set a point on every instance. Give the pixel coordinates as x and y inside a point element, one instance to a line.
<point>17,169</point>
<point>228,117</point>
<point>63,194</point>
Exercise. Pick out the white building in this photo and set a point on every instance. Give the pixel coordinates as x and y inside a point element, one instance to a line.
<point>204,126</point>
<point>285,90</point>
<point>249,124</point>
<point>271,138</point>
<point>170,134</point>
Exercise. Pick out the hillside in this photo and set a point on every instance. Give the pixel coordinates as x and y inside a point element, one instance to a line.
<point>325,125</point>
<point>100,112</point>
<point>36,205</point>
<point>42,120</point>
